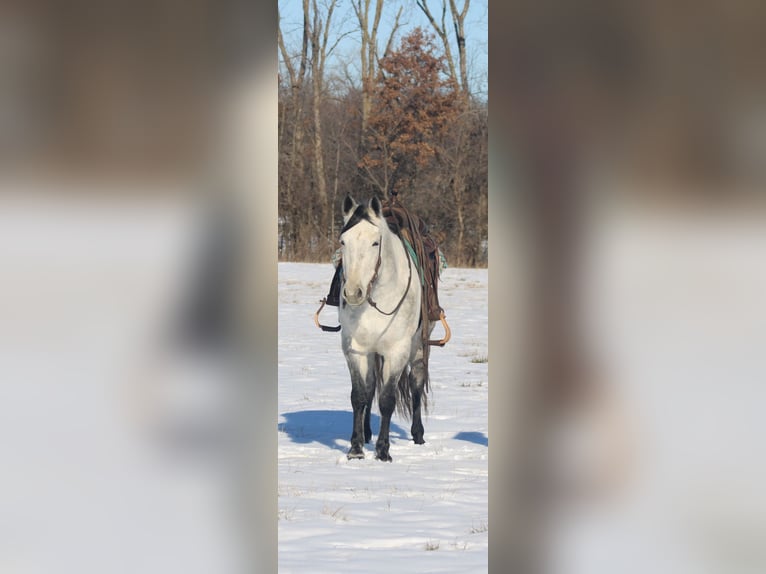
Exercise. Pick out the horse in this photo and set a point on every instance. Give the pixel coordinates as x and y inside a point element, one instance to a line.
<point>380,319</point>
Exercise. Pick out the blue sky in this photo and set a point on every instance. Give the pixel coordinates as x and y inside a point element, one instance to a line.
<point>344,60</point>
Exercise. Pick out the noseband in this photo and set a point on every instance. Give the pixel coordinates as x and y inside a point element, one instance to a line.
<point>368,294</point>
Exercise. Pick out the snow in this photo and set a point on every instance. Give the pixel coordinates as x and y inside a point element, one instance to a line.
<point>426,509</point>
<point>676,316</point>
<point>90,482</point>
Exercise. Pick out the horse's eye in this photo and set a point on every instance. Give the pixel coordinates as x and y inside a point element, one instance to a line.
<point>342,242</point>
<point>375,244</point>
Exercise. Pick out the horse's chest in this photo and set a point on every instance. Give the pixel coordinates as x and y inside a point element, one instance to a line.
<point>375,334</point>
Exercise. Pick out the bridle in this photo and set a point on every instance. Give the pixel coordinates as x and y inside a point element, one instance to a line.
<point>417,242</point>
<point>368,294</point>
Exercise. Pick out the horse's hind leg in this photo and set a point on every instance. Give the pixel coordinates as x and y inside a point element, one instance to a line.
<point>417,388</point>
<point>367,425</point>
<point>371,384</point>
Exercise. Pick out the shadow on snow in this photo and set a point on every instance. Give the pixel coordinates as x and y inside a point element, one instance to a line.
<point>473,436</point>
<point>327,427</point>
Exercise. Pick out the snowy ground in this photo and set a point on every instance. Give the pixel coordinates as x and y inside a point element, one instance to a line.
<point>97,472</point>
<point>428,508</point>
<point>678,323</point>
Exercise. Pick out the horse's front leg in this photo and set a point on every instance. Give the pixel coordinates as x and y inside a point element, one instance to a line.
<point>361,376</point>
<point>391,372</point>
<point>386,403</point>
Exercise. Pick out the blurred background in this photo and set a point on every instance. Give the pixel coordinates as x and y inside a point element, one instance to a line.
<point>137,353</point>
<point>626,177</point>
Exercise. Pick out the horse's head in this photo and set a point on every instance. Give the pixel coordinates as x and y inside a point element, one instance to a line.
<point>360,239</point>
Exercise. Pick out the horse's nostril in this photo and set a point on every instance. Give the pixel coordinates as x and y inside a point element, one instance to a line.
<point>354,296</point>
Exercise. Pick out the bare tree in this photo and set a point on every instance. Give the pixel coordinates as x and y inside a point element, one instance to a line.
<point>319,37</point>
<point>369,51</point>
<point>440,27</point>
<point>458,20</point>
<point>295,146</point>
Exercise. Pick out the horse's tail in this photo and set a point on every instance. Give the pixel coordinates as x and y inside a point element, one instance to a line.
<point>426,379</point>
<point>404,395</point>
<point>405,402</point>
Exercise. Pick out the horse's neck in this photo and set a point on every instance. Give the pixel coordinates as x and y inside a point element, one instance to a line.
<point>393,267</point>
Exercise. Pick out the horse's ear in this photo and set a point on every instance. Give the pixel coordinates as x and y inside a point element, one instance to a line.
<point>348,205</point>
<point>375,205</point>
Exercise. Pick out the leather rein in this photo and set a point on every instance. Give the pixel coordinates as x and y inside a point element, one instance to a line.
<point>369,299</point>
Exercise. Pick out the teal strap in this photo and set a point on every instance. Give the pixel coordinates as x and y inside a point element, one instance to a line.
<point>415,259</point>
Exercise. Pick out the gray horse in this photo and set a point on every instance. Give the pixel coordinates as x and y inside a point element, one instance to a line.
<point>380,318</point>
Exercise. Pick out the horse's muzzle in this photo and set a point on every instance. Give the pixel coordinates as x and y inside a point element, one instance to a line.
<point>355,298</point>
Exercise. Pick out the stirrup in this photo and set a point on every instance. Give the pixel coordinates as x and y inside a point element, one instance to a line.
<point>316,318</point>
<point>447,332</point>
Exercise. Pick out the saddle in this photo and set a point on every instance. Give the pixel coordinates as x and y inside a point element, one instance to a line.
<point>414,231</point>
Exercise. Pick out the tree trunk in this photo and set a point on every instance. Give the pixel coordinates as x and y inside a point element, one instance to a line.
<point>317,71</point>
<point>368,53</point>
<point>295,167</point>
<point>458,19</point>
<point>458,197</point>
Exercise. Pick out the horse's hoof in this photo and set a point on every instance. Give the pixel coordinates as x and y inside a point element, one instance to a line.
<point>419,440</point>
<point>385,457</point>
<point>355,453</point>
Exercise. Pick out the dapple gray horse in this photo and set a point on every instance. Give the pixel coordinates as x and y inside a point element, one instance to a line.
<point>380,318</point>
